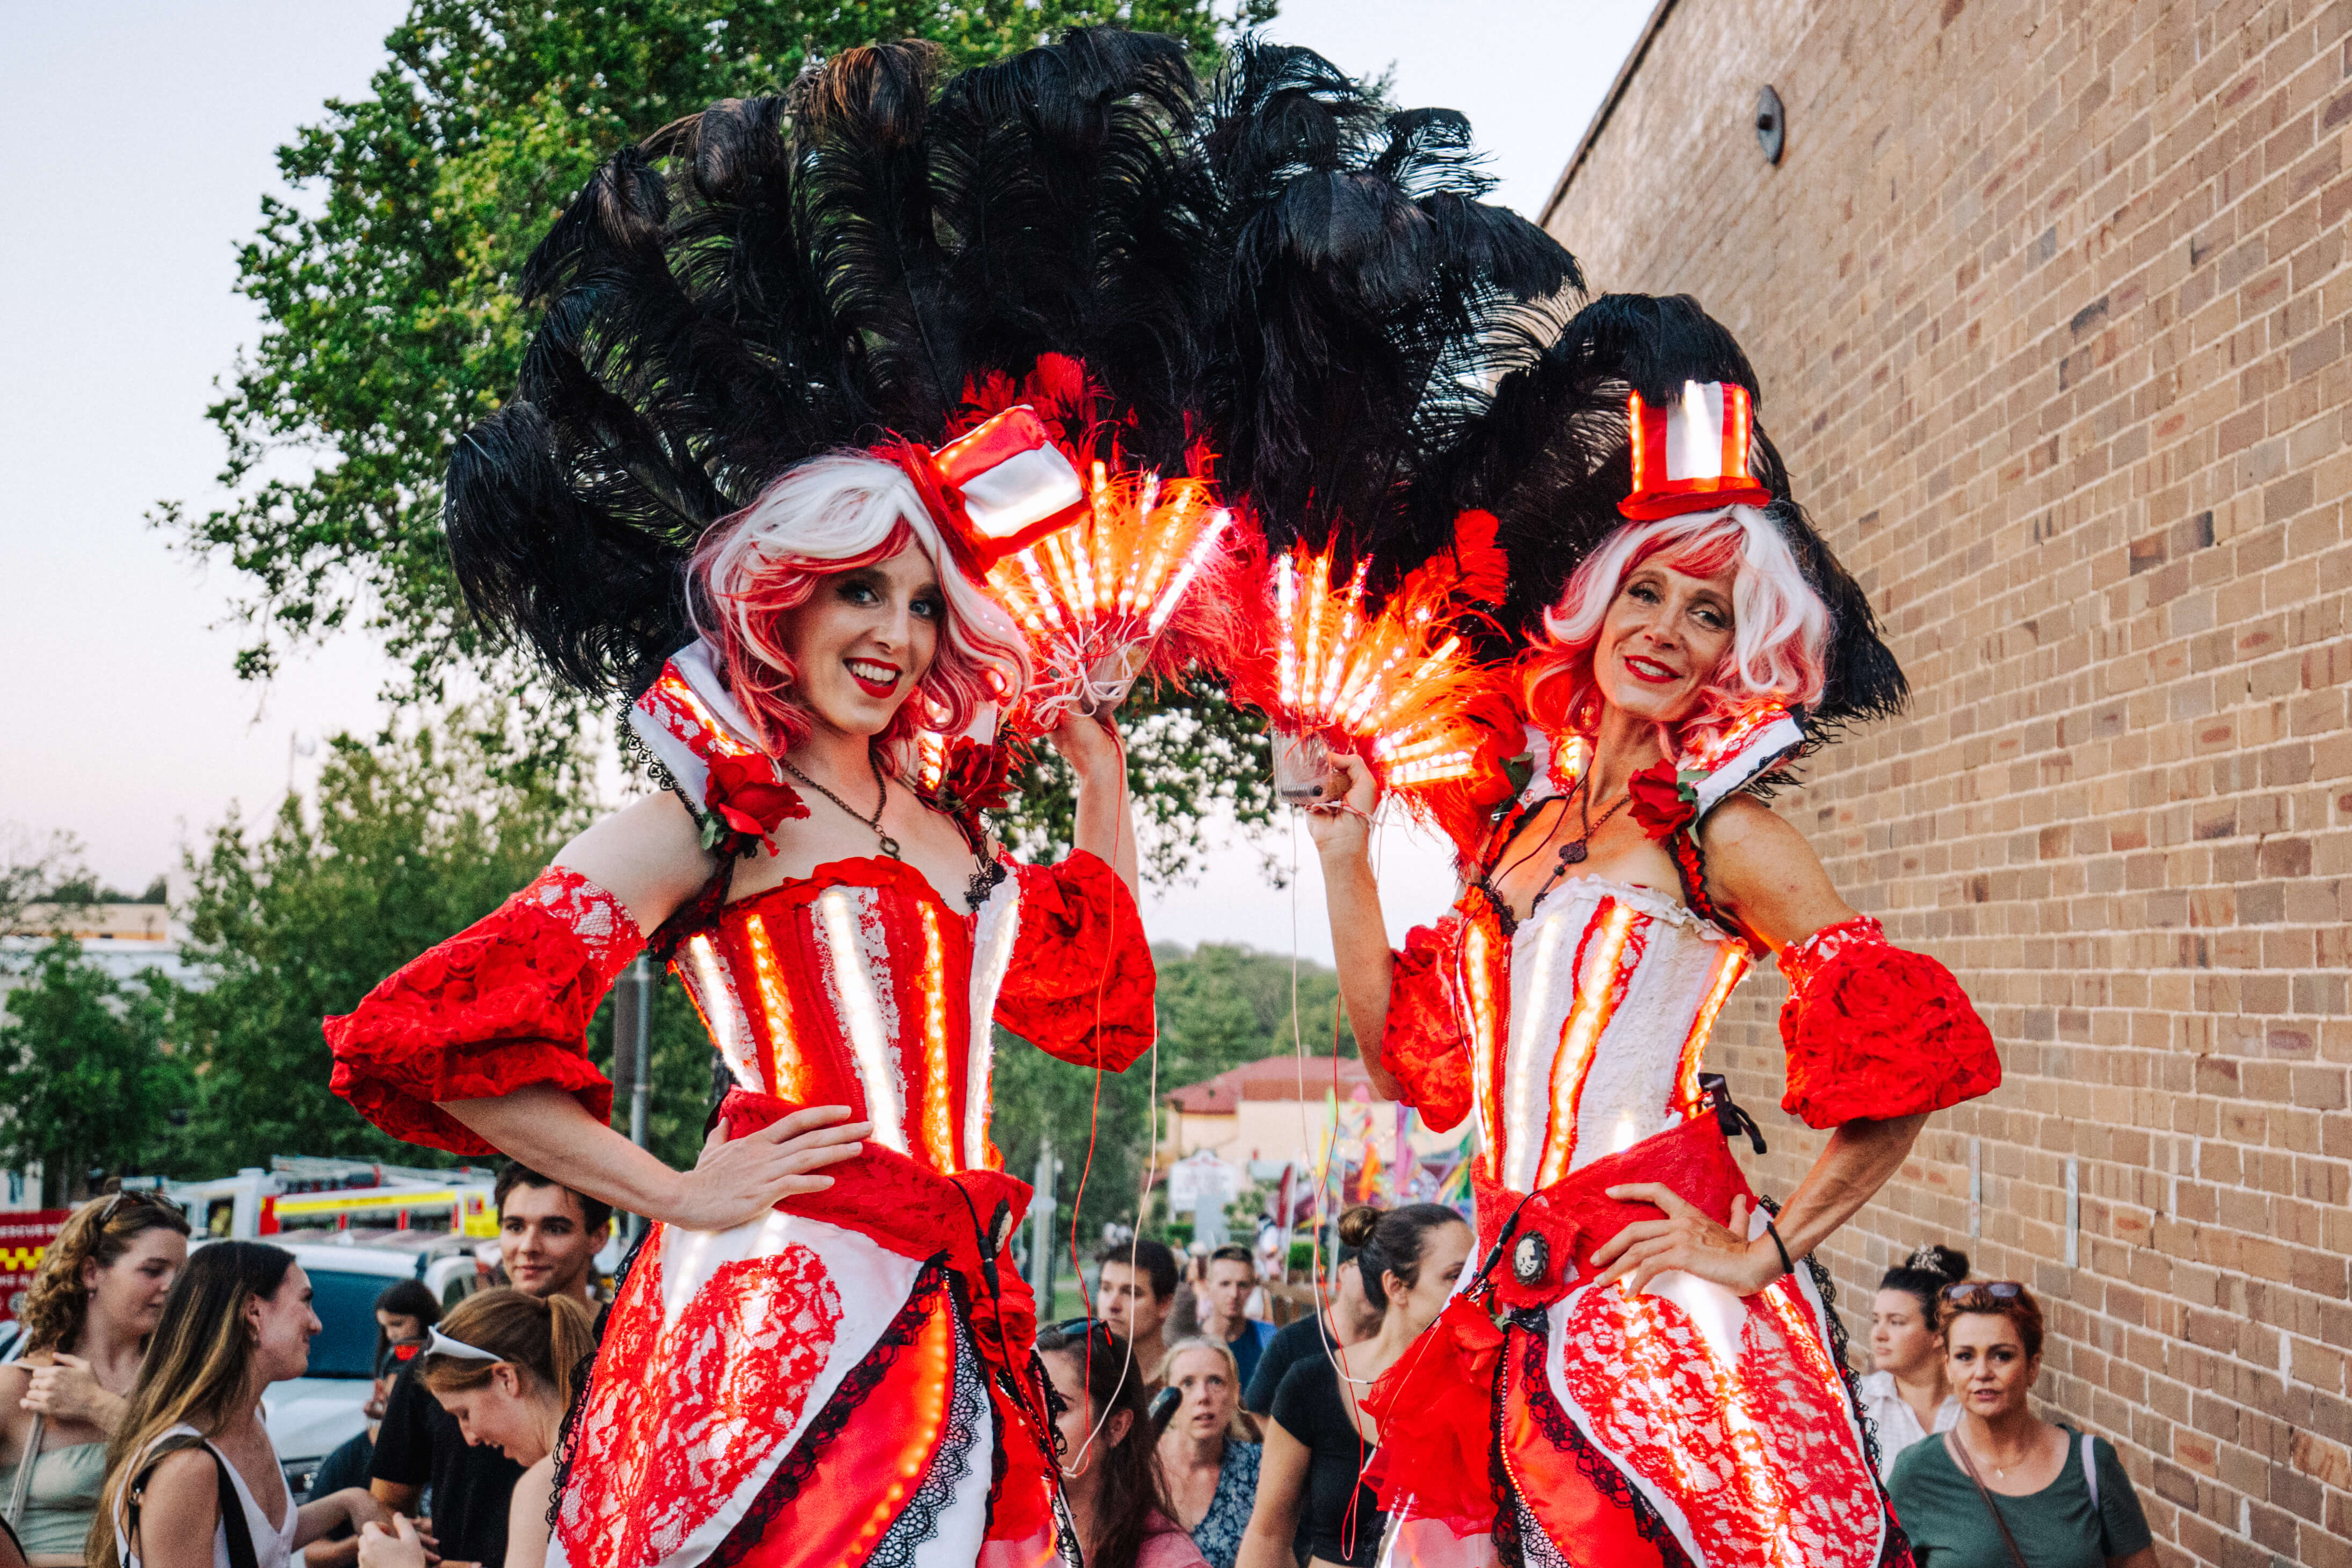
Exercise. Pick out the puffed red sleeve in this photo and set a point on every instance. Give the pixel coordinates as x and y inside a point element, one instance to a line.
<point>1422,1043</point>
<point>1080,980</point>
<point>503,1004</point>
<point>1874,1031</point>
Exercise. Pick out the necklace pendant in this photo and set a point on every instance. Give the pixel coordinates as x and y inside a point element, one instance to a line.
<point>890,846</point>
<point>1572,852</point>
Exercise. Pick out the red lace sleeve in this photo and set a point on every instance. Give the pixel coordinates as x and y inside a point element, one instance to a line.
<point>502,1003</point>
<point>1872,1031</point>
<point>1081,981</point>
<point>1422,1043</point>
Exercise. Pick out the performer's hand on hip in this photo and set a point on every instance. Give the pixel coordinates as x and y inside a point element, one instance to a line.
<point>738,1180</point>
<point>1341,826</point>
<point>1685,1239</point>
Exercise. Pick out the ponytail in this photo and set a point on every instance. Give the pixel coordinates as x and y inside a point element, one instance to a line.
<point>550,1337</point>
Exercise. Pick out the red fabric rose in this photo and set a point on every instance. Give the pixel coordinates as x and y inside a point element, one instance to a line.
<point>1662,800</point>
<point>1876,1032</point>
<point>1441,1394</point>
<point>746,796</point>
<point>972,779</point>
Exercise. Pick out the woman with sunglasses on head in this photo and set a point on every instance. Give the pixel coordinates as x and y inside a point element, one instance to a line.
<point>504,1365</point>
<point>1651,1307</point>
<point>1110,1483</point>
<point>94,1301</point>
<point>2005,1488</point>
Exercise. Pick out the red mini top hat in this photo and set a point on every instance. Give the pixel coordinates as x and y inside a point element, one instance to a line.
<point>1691,455</point>
<point>1011,484</point>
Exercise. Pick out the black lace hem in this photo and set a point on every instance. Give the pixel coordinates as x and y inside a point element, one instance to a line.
<point>1594,1465</point>
<point>918,1521</point>
<point>792,1476</point>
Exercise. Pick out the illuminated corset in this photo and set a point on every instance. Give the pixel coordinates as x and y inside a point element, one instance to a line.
<point>857,985</point>
<point>1611,993</point>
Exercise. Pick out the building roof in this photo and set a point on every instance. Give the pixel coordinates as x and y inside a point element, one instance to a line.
<point>1276,1078</point>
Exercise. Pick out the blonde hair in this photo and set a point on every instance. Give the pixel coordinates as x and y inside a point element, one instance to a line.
<point>1237,1426</point>
<point>546,1336</point>
<point>56,1304</point>
<point>199,1370</point>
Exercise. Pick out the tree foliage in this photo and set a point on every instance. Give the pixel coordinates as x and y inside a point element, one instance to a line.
<point>406,842</point>
<point>391,322</point>
<point>85,1076</point>
<point>1218,1006</point>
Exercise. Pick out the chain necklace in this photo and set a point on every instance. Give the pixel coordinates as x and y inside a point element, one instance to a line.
<point>1574,851</point>
<point>881,784</point>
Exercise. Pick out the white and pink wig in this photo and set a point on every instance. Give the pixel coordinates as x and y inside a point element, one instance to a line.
<point>1781,628</point>
<point>829,515</point>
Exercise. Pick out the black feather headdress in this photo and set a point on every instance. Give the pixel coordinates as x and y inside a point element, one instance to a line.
<point>1548,454</point>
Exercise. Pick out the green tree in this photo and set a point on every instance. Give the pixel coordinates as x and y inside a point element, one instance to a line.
<point>408,841</point>
<point>1218,1007</point>
<point>84,1075</point>
<point>390,320</point>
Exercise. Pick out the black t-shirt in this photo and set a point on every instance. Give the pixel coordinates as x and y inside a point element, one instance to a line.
<point>1308,1407</point>
<point>347,1465</point>
<point>421,1444</point>
<point>1292,1343</point>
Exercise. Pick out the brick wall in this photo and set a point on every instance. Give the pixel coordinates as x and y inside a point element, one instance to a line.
<point>2048,303</point>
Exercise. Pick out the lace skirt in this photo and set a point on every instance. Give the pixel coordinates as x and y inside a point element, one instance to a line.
<point>849,1379</point>
<point>1686,1427</point>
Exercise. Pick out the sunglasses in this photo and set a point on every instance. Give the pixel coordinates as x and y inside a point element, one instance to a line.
<point>1077,1327</point>
<point>140,1198</point>
<point>1998,1290</point>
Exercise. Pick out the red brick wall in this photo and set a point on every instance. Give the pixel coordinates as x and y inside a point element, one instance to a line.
<point>2049,302</point>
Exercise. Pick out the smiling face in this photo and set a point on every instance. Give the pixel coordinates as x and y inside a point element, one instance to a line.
<point>1985,1358</point>
<point>1203,1378</point>
<point>504,1413</point>
<point>864,640</point>
<point>129,1292</point>
<point>544,1240</point>
<point>283,1325</point>
<point>1662,637</point>
<point>1902,1336</point>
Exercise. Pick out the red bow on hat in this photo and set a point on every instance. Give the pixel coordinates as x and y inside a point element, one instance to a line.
<point>1691,455</point>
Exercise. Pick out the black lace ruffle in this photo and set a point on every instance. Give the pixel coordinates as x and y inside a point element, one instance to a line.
<point>950,1462</point>
<point>1607,1479</point>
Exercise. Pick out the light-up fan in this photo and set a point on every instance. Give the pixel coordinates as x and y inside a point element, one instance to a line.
<point>1400,687</point>
<point>1103,574</point>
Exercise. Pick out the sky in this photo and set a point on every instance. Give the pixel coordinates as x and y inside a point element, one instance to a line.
<point>145,138</point>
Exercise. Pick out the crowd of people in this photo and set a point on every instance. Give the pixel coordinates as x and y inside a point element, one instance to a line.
<point>131,1434</point>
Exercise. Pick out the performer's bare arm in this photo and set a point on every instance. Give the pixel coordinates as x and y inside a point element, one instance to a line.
<point>1105,828</point>
<point>1281,1488</point>
<point>1359,934</point>
<point>1763,874</point>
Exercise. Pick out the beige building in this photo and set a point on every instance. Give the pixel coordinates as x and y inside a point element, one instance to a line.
<point>2049,307</point>
<point>1279,1109</point>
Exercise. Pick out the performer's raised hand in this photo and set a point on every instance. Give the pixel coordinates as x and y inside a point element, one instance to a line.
<point>739,1179</point>
<point>1341,822</point>
<point>1685,1239</point>
<point>1105,825</point>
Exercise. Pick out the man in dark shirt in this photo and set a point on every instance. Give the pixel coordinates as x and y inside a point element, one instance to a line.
<point>548,1238</point>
